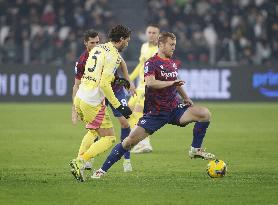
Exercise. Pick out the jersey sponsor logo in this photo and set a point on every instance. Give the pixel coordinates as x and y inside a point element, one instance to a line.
<point>90,78</point>
<point>169,74</point>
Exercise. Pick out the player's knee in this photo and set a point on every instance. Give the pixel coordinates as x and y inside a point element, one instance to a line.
<point>124,123</point>
<point>127,143</point>
<point>205,114</point>
<point>112,139</point>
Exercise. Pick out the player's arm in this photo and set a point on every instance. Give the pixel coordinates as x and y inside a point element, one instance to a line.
<point>158,84</point>
<point>124,70</point>
<point>79,70</point>
<point>135,73</point>
<point>75,87</point>
<point>105,85</point>
<point>184,96</point>
<point>74,115</point>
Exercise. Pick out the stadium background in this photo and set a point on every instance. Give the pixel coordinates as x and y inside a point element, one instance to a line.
<point>41,40</point>
<point>229,60</point>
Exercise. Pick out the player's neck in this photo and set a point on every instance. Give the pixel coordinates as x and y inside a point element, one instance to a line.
<point>152,44</point>
<point>115,44</point>
<point>162,55</point>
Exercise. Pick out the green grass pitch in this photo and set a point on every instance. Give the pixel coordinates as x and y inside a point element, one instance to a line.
<point>37,141</point>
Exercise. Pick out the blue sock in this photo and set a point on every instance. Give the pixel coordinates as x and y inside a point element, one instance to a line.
<point>115,155</point>
<point>199,133</point>
<point>124,133</point>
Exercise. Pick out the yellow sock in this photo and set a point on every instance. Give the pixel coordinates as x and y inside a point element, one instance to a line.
<point>98,147</point>
<point>134,118</point>
<point>87,141</point>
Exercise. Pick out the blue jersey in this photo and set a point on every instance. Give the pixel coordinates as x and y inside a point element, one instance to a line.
<point>165,99</point>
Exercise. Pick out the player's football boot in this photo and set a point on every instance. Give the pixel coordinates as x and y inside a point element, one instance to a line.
<point>200,153</point>
<point>141,148</point>
<point>77,169</point>
<point>127,165</point>
<point>98,174</point>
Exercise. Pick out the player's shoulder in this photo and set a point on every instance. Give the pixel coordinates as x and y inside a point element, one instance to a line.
<point>153,59</point>
<point>102,47</point>
<point>145,47</point>
<point>151,62</point>
<point>84,55</point>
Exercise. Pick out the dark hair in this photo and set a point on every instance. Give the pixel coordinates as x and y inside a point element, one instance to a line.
<point>164,36</point>
<point>118,32</point>
<point>90,34</point>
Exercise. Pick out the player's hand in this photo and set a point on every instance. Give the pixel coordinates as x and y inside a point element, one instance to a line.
<point>132,89</point>
<point>74,115</point>
<point>188,102</point>
<point>178,83</point>
<point>125,111</point>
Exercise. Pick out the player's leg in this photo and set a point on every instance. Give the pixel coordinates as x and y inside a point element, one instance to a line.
<point>201,116</point>
<point>143,146</point>
<point>131,104</point>
<point>125,130</point>
<point>135,136</point>
<point>99,123</point>
<point>125,127</point>
<point>89,138</point>
<point>147,125</point>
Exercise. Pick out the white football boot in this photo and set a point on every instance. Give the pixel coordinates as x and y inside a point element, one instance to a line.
<point>200,153</point>
<point>127,165</point>
<point>143,146</point>
<point>98,174</point>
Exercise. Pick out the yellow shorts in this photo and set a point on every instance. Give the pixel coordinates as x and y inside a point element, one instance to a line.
<point>95,116</point>
<point>137,99</point>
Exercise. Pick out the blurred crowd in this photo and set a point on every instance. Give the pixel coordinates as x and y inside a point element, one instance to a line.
<point>217,32</point>
<point>238,32</point>
<point>39,31</point>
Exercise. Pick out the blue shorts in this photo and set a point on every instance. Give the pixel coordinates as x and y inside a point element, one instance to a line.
<point>121,96</point>
<point>153,122</point>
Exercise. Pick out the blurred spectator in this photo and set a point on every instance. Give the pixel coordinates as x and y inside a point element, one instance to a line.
<point>208,31</point>
<point>219,31</point>
<point>35,31</point>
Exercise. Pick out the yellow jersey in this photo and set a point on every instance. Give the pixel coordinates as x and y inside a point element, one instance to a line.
<point>147,51</point>
<point>103,61</point>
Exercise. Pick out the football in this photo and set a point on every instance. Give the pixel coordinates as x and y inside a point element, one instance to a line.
<point>216,168</point>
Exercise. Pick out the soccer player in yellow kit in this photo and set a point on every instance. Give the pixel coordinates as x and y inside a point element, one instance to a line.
<point>91,39</point>
<point>101,65</point>
<point>136,103</point>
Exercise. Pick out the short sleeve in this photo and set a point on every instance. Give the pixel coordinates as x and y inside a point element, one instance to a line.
<point>149,69</point>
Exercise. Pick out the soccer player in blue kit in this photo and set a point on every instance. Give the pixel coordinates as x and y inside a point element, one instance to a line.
<point>162,106</point>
